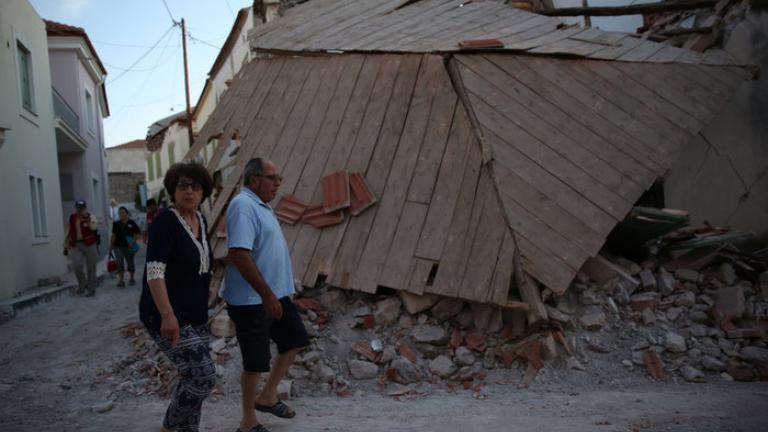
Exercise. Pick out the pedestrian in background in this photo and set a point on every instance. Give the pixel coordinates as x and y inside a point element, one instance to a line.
<point>124,246</point>
<point>174,298</point>
<point>258,290</point>
<point>80,242</point>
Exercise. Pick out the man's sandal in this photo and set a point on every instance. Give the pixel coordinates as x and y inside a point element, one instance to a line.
<point>280,409</point>
<point>258,428</point>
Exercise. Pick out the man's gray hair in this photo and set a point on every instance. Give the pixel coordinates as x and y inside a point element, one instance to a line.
<point>254,167</point>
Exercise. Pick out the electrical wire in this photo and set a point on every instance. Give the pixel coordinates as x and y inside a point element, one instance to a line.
<point>127,45</point>
<point>130,68</point>
<point>230,8</point>
<point>169,12</point>
<point>192,38</point>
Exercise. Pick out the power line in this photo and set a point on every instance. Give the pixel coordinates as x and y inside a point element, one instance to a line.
<point>130,68</point>
<point>202,41</point>
<point>127,45</point>
<point>169,12</point>
<point>230,8</point>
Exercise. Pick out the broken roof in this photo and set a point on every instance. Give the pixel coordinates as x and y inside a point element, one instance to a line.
<point>476,158</point>
<point>429,26</point>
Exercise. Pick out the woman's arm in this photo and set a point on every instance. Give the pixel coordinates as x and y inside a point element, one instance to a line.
<point>169,326</point>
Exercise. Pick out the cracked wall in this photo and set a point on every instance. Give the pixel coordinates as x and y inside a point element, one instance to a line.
<point>722,175</point>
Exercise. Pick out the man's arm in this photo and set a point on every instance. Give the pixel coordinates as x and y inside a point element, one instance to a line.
<point>241,259</point>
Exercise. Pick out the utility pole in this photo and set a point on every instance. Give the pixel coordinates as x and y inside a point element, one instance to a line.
<point>186,81</point>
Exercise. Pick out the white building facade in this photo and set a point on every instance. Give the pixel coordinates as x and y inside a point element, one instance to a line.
<point>31,228</point>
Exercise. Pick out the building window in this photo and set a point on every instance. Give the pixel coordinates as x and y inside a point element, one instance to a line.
<point>171,153</point>
<point>67,183</point>
<point>37,198</point>
<point>25,77</point>
<point>89,114</point>
<point>158,165</point>
<point>150,168</point>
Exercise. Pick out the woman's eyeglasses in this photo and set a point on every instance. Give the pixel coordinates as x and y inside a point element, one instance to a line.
<point>195,186</point>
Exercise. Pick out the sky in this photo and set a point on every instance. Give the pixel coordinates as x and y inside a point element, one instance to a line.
<point>141,50</point>
<point>145,84</point>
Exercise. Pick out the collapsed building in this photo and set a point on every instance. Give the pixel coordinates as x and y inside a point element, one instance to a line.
<point>501,146</point>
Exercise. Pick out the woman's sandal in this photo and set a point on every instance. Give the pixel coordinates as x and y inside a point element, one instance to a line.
<point>280,409</point>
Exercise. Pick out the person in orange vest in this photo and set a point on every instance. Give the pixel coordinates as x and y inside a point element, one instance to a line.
<point>81,240</point>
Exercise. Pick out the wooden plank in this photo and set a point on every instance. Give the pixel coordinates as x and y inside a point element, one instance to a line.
<point>322,39</point>
<point>272,128</point>
<point>453,256</point>
<point>292,18</point>
<point>395,271</point>
<point>419,275</point>
<point>504,270</point>
<point>436,137</point>
<point>258,99</point>
<point>319,73</point>
<point>544,39</point>
<point>397,41</point>
<point>667,87</point>
<point>612,53</point>
<point>695,92</point>
<point>446,192</point>
<point>378,166</point>
<point>337,159</point>
<point>644,95</point>
<point>392,199</point>
<point>581,113</point>
<point>364,144</point>
<point>513,187</point>
<point>556,72</point>
<point>519,31</point>
<point>558,120</point>
<point>484,251</point>
<point>551,271</point>
<point>667,54</point>
<point>528,290</point>
<point>550,186</point>
<point>641,52</point>
<point>309,130</point>
<point>451,32</point>
<point>308,186</point>
<point>674,135</point>
<point>510,18</point>
<point>484,87</point>
<point>569,47</point>
<point>554,164</point>
<point>383,27</point>
<point>529,225</point>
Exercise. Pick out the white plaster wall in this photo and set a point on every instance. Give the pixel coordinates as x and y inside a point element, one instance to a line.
<point>722,177</point>
<point>30,147</point>
<point>177,134</point>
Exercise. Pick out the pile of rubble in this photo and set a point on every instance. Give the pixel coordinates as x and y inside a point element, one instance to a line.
<point>695,322</point>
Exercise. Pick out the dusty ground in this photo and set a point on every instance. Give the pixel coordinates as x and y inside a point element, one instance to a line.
<point>52,357</point>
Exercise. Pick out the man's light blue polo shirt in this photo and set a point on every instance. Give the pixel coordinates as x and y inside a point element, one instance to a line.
<point>252,225</point>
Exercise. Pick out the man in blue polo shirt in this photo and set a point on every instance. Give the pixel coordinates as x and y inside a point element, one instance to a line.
<point>258,289</point>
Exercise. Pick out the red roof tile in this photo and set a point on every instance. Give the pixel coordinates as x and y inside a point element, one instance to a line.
<point>335,191</point>
<point>316,216</point>
<point>362,197</point>
<point>290,209</point>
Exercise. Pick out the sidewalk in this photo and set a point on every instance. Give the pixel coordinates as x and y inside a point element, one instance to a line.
<point>40,295</point>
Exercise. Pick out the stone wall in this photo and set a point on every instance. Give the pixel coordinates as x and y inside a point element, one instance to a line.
<point>122,186</point>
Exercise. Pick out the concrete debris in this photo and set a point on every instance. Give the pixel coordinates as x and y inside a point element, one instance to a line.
<point>464,356</point>
<point>222,326</point>
<point>101,408</point>
<point>442,366</point>
<point>675,343</point>
<point>362,369</point>
<point>429,334</point>
<point>406,371</point>
<point>592,319</point>
<point>387,311</point>
<point>730,301</point>
<point>417,303</point>
<point>446,309</point>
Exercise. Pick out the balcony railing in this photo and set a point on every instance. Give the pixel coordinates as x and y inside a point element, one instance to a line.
<point>65,112</point>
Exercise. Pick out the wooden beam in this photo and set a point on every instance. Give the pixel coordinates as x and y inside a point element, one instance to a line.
<point>529,292</point>
<point>684,31</point>
<point>637,9</point>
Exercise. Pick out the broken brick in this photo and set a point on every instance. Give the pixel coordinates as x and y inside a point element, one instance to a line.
<point>456,338</point>
<point>533,355</point>
<point>476,341</point>
<point>654,366</point>
<point>364,349</point>
<point>407,352</point>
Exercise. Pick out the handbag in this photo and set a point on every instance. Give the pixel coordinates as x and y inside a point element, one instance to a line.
<point>111,264</point>
<point>133,245</point>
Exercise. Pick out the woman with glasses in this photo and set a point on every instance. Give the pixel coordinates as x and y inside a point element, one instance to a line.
<point>174,299</point>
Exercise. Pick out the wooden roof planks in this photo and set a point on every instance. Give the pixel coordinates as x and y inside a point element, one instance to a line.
<point>472,159</point>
